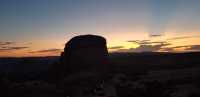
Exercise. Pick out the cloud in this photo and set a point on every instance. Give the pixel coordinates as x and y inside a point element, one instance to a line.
<point>4,48</point>
<point>147,42</point>
<point>116,47</point>
<point>155,35</point>
<point>53,50</point>
<point>194,48</point>
<point>173,49</point>
<point>180,47</point>
<point>10,46</point>
<point>186,48</point>
<point>178,38</point>
<point>153,46</point>
<point>6,43</point>
<point>139,41</point>
<point>167,49</point>
<point>146,48</point>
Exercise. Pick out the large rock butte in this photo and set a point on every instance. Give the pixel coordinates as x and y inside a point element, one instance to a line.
<point>85,53</point>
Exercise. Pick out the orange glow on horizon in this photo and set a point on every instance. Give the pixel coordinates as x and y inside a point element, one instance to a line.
<point>113,40</point>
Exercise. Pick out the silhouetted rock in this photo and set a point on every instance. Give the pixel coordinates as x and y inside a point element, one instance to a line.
<point>85,53</point>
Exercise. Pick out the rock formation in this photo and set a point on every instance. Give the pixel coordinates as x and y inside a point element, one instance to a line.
<point>84,63</point>
<point>85,52</point>
<point>83,55</point>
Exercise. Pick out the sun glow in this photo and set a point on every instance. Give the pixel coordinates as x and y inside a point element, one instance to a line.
<point>128,45</point>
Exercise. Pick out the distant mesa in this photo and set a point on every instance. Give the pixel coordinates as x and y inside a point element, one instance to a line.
<point>82,54</point>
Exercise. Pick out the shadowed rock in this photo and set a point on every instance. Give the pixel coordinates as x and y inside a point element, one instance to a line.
<point>84,62</point>
<point>84,57</point>
<point>85,52</point>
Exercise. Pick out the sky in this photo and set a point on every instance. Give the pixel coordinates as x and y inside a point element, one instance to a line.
<point>42,27</point>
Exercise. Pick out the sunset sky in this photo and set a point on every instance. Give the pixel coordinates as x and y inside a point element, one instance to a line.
<point>42,27</point>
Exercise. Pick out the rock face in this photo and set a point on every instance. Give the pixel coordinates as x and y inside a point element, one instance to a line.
<point>85,53</point>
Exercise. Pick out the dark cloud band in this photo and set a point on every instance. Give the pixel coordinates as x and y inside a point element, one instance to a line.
<point>53,50</point>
